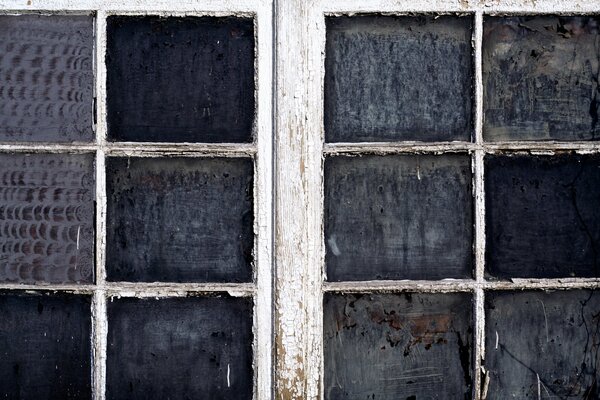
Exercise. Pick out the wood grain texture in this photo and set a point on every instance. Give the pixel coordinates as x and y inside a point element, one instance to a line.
<point>46,78</point>
<point>406,346</point>
<point>540,78</point>
<point>180,219</point>
<point>45,346</point>
<point>47,218</point>
<point>398,78</point>
<point>542,216</point>
<point>398,217</point>
<point>543,345</point>
<point>180,79</point>
<point>180,348</point>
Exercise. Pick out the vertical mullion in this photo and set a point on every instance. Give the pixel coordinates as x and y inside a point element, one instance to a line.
<point>263,203</point>
<point>99,324</point>
<point>298,250</point>
<point>478,177</point>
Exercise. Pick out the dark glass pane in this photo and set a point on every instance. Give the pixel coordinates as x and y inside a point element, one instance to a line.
<point>398,217</point>
<point>406,346</point>
<point>543,216</point>
<point>45,346</point>
<point>47,78</point>
<point>543,345</point>
<point>47,218</point>
<point>180,79</point>
<point>179,348</point>
<point>398,78</point>
<point>180,219</point>
<point>540,78</point>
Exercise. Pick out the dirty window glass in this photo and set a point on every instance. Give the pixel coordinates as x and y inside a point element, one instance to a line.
<point>390,78</point>
<point>541,77</point>
<point>180,79</point>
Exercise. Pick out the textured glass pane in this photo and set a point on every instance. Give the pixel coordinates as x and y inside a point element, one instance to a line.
<point>47,218</point>
<point>541,78</point>
<point>398,217</point>
<point>180,79</point>
<point>45,347</point>
<point>543,216</point>
<point>180,219</point>
<point>406,346</point>
<point>543,345</point>
<point>398,78</point>
<point>47,78</point>
<point>179,348</point>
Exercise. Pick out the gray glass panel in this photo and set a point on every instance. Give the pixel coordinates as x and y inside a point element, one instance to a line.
<point>46,78</point>
<point>543,345</point>
<point>398,217</point>
<point>398,78</point>
<point>47,218</point>
<point>406,346</point>
<point>540,77</point>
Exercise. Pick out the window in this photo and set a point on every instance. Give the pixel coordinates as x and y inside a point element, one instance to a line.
<point>299,199</point>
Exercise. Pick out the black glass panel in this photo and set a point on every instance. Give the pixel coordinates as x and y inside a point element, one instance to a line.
<point>180,219</point>
<point>47,218</point>
<point>398,217</point>
<point>45,347</point>
<point>180,79</point>
<point>179,348</point>
<point>542,216</point>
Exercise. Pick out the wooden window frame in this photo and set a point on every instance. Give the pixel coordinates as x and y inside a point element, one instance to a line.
<point>260,150</point>
<point>288,151</point>
<point>300,149</point>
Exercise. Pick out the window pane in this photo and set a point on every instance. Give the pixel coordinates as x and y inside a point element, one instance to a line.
<point>398,217</point>
<point>47,218</point>
<point>398,78</point>
<point>407,346</point>
<point>542,218</point>
<point>47,79</point>
<point>179,348</point>
<point>542,345</point>
<point>541,78</point>
<point>45,346</point>
<point>180,219</point>
<point>180,79</point>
